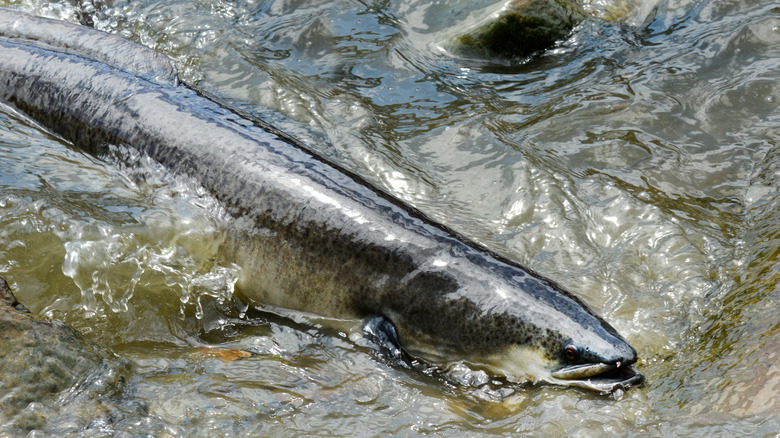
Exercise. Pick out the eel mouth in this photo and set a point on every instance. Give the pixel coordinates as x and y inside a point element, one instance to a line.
<point>604,378</point>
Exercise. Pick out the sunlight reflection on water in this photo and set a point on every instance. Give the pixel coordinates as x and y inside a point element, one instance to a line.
<point>635,165</point>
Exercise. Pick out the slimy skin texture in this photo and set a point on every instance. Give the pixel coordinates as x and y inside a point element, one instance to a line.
<point>89,43</point>
<point>315,237</point>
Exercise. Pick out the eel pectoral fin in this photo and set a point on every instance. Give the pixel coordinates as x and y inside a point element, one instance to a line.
<point>384,339</point>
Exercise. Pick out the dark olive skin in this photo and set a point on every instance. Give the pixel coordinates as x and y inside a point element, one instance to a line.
<point>315,237</point>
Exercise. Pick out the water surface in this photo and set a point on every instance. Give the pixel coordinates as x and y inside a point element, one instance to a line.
<point>638,164</point>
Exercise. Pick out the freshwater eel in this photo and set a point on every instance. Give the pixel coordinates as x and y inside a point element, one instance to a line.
<point>316,237</point>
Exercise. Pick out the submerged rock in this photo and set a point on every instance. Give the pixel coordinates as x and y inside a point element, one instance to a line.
<point>39,360</point>
<point>520,28</point>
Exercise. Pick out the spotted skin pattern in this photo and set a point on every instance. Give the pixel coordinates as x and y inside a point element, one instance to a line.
<point>310,235</point>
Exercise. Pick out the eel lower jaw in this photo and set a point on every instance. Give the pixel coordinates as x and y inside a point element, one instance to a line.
<point>604,378</point>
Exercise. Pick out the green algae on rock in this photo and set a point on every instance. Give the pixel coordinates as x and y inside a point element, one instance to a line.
<point>39,359</point>
<point>520,28</point>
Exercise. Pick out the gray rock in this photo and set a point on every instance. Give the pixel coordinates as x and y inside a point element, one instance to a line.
<point>39,360</point>
<point>519,29</point>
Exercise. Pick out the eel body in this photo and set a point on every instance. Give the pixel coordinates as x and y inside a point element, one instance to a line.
<point>319,239</point>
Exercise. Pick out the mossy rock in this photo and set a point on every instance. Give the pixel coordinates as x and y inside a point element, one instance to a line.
<point>39,358</point>
<point>520,28</point>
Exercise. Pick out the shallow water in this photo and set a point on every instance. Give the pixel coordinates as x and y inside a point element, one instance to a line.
<point>638,164</point>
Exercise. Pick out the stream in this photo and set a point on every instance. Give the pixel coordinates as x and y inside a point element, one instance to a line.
<point>637,163</point>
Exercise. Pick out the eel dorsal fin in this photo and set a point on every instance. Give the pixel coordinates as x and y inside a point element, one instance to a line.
<point>89,43</point>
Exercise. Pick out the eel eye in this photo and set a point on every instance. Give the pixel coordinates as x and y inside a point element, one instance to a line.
<point>572,352</point>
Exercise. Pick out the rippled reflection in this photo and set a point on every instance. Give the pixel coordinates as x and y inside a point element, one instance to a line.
<point>636,163</point>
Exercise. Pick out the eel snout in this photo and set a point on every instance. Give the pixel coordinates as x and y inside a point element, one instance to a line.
<point>599,377</point>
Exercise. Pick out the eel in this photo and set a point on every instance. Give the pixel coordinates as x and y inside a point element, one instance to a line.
<point>310,235</point>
